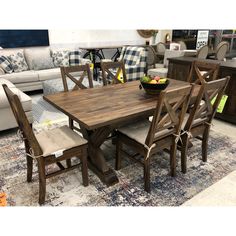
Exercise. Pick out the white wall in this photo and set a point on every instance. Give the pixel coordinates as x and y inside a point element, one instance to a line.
<point>93,38</point>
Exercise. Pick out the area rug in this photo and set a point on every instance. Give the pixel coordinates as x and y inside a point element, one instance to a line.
<point>67,189</point>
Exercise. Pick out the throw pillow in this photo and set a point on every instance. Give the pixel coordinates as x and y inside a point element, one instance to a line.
<point>18,62</point>
<point>6,65</point>
<point>61,58</point>
<point>38,58</point>
<point>74,58</point>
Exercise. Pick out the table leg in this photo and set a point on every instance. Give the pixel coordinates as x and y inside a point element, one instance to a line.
<point>96,160</point>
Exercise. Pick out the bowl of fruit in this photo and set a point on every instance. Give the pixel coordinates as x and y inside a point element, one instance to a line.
<point>153,85</point>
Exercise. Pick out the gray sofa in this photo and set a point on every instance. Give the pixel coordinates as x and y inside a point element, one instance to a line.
<point>7,119</point>
<point>41,67</point>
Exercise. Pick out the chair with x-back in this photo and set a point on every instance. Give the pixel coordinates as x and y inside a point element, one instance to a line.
<point>163,132</point>
<point>113,72</point>
<point>198,122</point>
<point>48,147</point>
<point>202,71</point>
<point>71,83</point>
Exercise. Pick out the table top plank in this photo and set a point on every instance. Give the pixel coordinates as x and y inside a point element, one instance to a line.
<point>101,106</point>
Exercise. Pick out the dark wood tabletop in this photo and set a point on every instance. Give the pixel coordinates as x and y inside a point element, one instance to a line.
<point>103,106</point>
<point>102,109</point>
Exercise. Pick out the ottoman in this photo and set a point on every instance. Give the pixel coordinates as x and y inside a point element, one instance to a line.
<point>162,72</point>
<point>56,85</point>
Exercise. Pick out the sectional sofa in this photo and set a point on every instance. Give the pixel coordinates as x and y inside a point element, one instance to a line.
<point>25,69</point>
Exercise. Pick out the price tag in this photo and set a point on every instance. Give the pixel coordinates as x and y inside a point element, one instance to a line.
<point>221,106</point>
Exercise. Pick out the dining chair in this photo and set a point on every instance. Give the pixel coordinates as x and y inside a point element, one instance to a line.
<point>221,51</point>
<point>202,71</point>
<point>48,147</point>
<point>160,47</point>
<point>79,83</point>
<point>202,52</point>
<point>151,56</point>
<point>182,44</point>
<point>84,81</point>
<point>162,132</point>
<point>113,72</point>
<point>135,61</point>
<point>197,122</point>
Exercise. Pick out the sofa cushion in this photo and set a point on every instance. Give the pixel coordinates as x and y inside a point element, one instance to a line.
<point>21,77</point>
<point>61,58</point>
<point>24,98</point>
<point>38,58</point>
<point>54,73</point>
<point>6,65</point>
<point>18,62</point>
<point>8,120</point>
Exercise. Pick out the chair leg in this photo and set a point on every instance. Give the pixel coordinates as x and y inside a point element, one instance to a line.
<point>173,159</point>
<point>85,169</point>
<point>29,161</point>
<point>118,153</point>
<point>205,144</point>
<point>184,151</point>
<point>147,175</point>
<point>42,180</point>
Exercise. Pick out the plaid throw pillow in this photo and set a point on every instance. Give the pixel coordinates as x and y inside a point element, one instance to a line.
<point>74,58</point>
<point>6,65</point>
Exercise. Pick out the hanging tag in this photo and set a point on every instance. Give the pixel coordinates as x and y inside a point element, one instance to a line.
<point>58,153</point>
<point>221,106</point>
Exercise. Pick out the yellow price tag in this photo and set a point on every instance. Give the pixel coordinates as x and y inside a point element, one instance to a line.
<point>221,106</point>
<point>91,66</point>
<point>120,77</point>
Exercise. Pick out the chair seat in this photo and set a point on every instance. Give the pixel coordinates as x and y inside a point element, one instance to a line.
<point>58,139</point>
<point>138,131</point>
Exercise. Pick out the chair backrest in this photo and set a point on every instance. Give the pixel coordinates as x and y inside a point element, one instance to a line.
<point>131,55</point>
<point>174,104</point>
<point>170,54</point>
<point>160,47</point>
<point>202,52</point>
<point>66,72</point>
<point>22,121</point>
<point>111,72</point>
<point>221,50</point>
<point>204,109</point>
<point>183,45</point>
<point>151,57</point>
<point>202,71</point>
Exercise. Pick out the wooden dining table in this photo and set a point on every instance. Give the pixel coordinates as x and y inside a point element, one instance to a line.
<point>100,110</point>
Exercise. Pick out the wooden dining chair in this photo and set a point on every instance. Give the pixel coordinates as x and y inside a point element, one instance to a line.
<point>198,121</point>
<point>80,83</point>
<point>48,147</point>
<point>202,71</point>
<point>162,132</point>
<point>111,72</point>
<point>202,52</point>
<point>84,81</point>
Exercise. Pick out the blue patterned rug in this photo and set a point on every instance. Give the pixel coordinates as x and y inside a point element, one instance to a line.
<point>67,189</point>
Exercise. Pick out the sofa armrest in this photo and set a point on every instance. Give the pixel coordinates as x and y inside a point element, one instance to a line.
<point>2,72</point>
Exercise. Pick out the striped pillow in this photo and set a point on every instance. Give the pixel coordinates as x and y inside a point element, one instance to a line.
<point>6,65</point>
